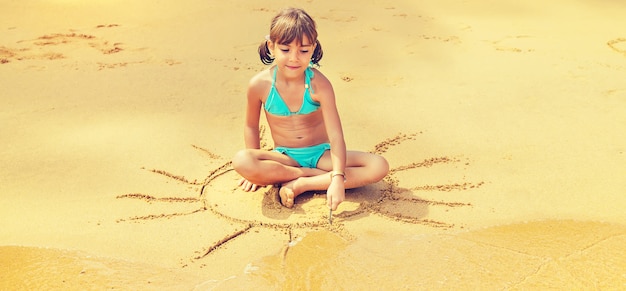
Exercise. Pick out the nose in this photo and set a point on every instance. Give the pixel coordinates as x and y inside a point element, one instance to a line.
<point>293,55</point>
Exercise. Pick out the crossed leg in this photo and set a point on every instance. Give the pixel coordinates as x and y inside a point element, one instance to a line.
<point>266,168</point>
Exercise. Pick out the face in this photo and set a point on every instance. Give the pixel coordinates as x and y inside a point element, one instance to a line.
<point>292,59</point>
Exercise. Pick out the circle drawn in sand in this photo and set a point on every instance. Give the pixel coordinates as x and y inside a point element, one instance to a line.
<point>219,194</point>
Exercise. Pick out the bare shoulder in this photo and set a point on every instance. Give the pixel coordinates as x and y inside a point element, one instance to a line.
<point>260,83</point>
<point>321,86</point>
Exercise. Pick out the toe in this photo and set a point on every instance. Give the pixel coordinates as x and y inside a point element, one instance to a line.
<point>286,199</point>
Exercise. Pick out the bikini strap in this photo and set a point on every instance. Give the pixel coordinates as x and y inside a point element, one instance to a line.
<point>274,78</point>
<point>308,75</point>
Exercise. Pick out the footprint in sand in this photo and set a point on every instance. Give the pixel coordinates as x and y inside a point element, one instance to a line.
<point>218,194</point>
<point>618,45</point>
<point>347,78</point>
<point>342,16</point>
<point>50,47</point>
<point>512,44</point>
<point>58,46</point>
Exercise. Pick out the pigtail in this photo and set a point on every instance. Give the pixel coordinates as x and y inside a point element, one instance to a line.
<point>264,53</point>
<point>318,53</point>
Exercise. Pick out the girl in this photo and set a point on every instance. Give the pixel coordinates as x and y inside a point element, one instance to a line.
<point>299,104</point>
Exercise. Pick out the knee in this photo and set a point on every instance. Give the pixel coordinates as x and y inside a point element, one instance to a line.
<point>379,166</point>
<point>243,161</point>
<point>383,165</point>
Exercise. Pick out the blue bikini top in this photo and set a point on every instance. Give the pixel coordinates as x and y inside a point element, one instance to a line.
<point>277,106</point>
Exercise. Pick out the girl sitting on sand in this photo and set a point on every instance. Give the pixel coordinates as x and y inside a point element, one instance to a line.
<point>299,103</point>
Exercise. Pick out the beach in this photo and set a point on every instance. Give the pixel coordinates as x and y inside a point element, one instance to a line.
<point>503,124</point>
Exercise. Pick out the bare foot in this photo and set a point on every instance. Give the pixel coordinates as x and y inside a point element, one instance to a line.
<point>287,195</point>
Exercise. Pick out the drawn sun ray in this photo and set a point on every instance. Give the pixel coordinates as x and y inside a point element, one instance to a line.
<point>219,195</point>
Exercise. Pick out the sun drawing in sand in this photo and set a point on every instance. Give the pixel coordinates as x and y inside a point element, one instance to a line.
<point>216,194</point>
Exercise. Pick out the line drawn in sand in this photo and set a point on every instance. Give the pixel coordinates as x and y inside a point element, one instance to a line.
<point>386,199</point>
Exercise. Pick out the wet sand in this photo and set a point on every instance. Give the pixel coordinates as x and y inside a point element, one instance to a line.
<point>503,124</point>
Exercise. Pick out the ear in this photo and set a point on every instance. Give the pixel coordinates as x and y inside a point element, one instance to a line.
<point>270,45</point>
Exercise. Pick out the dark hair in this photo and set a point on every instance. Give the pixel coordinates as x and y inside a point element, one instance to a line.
<point>288,25</point>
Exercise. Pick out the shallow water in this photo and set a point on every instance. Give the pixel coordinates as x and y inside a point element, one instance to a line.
<point>537,255</point>
<point>558,254</point>
<point>32,268</point>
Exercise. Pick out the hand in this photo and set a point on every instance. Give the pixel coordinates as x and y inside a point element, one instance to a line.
<point>247,185</point>
<point>336,193</point>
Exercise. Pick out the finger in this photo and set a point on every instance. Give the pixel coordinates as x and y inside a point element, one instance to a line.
<point>248,186</point>
<point>244,185</point>
<point>329,201</point>
<point>241,181</point>
<point>254,187</point>
<point>334,206</point>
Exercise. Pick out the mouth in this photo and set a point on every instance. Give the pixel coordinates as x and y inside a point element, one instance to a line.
<point>293,67</point>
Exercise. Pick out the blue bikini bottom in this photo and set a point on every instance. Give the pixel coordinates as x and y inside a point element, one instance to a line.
<point>306,157</point>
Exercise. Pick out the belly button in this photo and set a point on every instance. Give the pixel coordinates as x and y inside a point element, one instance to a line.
<point>300,137</point>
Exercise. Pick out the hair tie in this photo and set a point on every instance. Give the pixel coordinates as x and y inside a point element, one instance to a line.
<point>267,37</point>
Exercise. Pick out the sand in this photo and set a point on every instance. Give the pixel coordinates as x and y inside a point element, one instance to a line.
<point>503,122</point>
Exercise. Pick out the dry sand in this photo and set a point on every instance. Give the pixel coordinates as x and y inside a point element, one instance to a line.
<point>504,124</point>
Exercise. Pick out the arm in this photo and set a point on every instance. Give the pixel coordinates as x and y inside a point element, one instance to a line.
<point>253,113</point>
<point>332,122</point>
<point>251,127</point>
<point>334,131</point>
